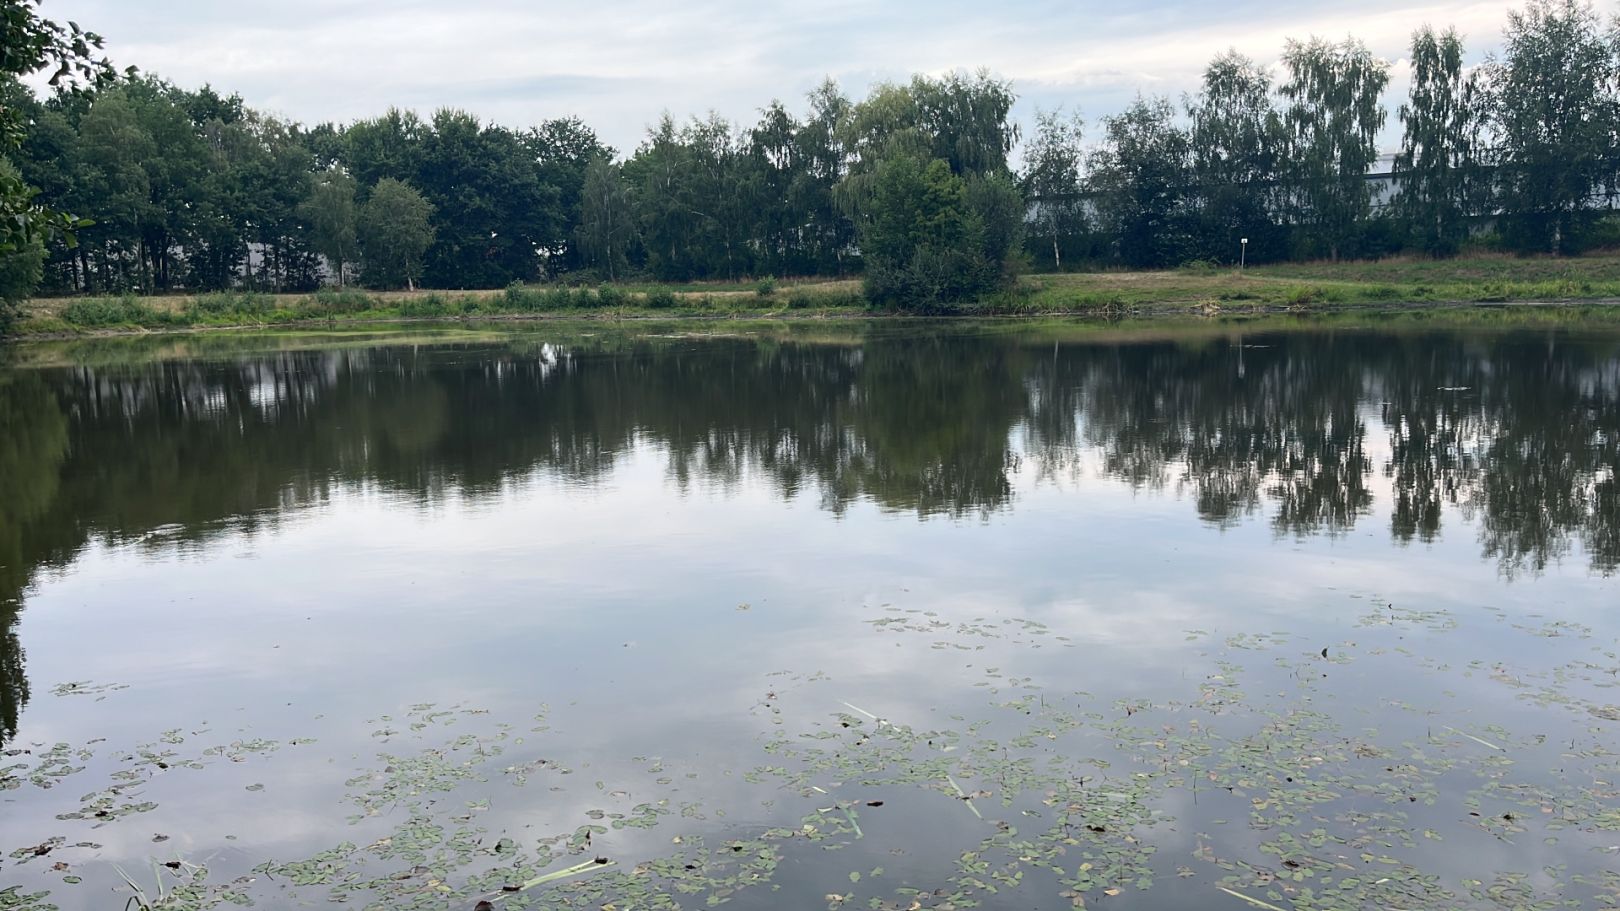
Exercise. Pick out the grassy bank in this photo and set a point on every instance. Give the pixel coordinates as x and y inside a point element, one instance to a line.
<point>1297,287</point>
<point>239,309</point>
<point>1492,279</point>
<point>101,349</point>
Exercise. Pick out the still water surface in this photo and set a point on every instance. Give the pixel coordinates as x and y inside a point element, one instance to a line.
<point>875,617</point>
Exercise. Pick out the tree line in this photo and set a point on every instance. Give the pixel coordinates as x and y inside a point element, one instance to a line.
<point>191,189</point>
<point>1520,152</point>
<point>914,187</point>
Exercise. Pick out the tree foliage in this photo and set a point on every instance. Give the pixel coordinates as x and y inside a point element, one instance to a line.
<point>1054,165</point>
<point>396,231</point>
<point>1440,167</point>
<point>30,43</point>
<point>607,228</point>
<point>565,150</point>
<point>1139,175</point>
<point>1333,121</point>
<point>938,213</point>
<point>329,210</point>
<point>1555,104</point>
<point>1239,143</point>
<point>921,240</point>
<point>195,190</point>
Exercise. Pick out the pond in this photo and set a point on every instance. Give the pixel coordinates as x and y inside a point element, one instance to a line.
<point>1277,615</point>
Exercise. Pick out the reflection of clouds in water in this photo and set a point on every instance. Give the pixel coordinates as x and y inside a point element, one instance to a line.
<point>501,535</point>
<point>899,425</point>
<point>495,575</point>
<point>210,818</point>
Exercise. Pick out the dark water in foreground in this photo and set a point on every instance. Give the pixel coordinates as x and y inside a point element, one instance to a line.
<point>921,617</point>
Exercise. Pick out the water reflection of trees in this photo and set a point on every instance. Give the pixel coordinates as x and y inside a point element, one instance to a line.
<point>1519,434</point>
<point>1237,423</point>
<point>33,444</point>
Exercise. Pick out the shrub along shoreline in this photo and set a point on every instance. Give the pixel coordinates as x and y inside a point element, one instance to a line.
<point>1190,291</point>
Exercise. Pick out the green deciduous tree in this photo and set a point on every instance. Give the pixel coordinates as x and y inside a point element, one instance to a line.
<point>1333,120</point>
<point>1238,146</point>
<point>1000,209</point>
<point>175,178</point>
<point>922,242</point>
<point>195,189</point>
<point>30,43</point>
<point>774,165</point>
<point>1052,177</point>
<point>928,188</point>
<point>717,191</point>
<point>182,187</point>
<point>21,265</point>
<point>275,172</point>
<point>607,226</point>
<point>111,177</point>
<point>565,150</point>
<point>395,229</point>
<point>966,119</point>
<point>1555,105</point>
<point>329,211</point>
<point>827,230</point>
<point>1440,171</point>
<point>222,224</point>
<point>957,119</point>
<point>386,146</point>
<point>494,215</point>
<point>1140,178</point>
<point>658,172</point>
<point>696,196</point>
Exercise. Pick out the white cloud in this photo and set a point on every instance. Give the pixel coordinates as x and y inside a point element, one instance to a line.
<point>620,65</point>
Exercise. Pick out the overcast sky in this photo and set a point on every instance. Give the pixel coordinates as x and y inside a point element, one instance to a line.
<point>619,64</point>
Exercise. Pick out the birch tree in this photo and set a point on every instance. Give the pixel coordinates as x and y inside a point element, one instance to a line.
<point>1440,169</point>
<point>1554,90</point>
<point>1051,178</point>
<point>1333,121</point>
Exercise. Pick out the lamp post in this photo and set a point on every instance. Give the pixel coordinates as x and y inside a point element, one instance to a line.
<point>1243,254</point>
